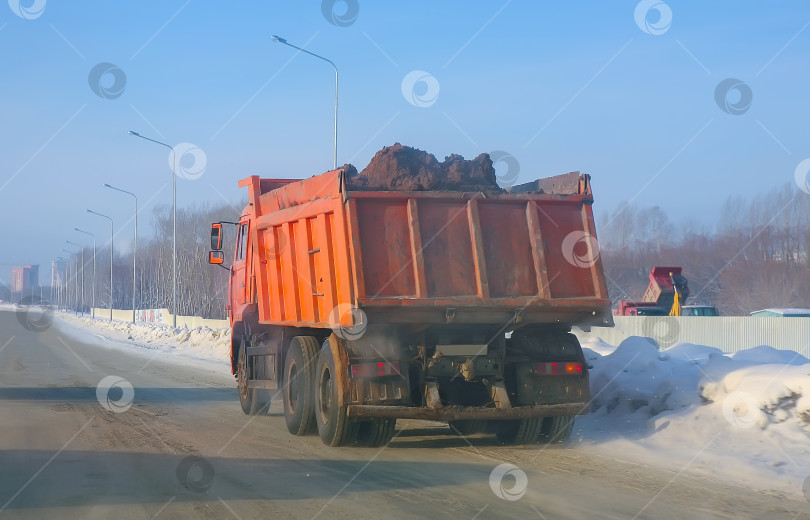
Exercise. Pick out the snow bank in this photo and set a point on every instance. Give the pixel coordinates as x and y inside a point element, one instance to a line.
<point>636,379</point>
<point>199,343</point>
<point>742,417</point>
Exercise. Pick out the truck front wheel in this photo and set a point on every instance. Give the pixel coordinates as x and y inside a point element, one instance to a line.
<point>254,401</point>
<point>245,393</point>
<point>299,385</point>
<point>334,426</point>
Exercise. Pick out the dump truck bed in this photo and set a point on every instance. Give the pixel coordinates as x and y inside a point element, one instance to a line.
<point>423,257</point>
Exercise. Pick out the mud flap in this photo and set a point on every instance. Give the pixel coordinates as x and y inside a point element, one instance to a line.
<point>341,357</point>
<point>432,395</point>
<point>500,396</point>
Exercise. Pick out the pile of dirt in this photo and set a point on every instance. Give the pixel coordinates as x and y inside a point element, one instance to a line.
<point>402,168</point>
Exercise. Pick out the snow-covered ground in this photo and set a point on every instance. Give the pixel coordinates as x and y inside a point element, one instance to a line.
<point>199,346</point>
<point>744,418</point>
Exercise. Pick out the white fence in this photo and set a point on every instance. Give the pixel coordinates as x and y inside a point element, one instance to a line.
<point>728,333</point>
<point>161,316</point>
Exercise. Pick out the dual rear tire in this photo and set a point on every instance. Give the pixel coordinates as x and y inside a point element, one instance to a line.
<point>556,429</point>
<point>334,425</point>
<point>545,430</point>
<point>467,427</point>
<point>299,377</point>
<point>312,401</point>
<point>519,431</point>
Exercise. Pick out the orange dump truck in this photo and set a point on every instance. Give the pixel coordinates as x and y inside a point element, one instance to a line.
<point>361,307</point>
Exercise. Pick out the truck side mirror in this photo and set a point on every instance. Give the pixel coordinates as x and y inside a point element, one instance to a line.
<point>216,238</point>
<point>216,257</point>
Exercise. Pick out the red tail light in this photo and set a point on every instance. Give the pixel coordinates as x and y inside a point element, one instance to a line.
<point>558,368</point>
<point>375,369</point>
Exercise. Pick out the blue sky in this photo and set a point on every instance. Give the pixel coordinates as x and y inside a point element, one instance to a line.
<point>560,86</point>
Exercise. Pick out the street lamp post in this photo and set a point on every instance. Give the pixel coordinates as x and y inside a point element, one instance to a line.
<point>67,280</point>
<point>93,284</point>
<point>55,297</point>
<point>112,225</point>
<point>65,285</point>
<point>134,244</point>
<point>278,39</point>
<point>174,226</point>
<point>82,291</point>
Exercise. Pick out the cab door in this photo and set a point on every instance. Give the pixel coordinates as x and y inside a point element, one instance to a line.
<point>238,285</point>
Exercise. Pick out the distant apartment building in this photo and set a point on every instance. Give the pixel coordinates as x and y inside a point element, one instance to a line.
<point>24,279</point>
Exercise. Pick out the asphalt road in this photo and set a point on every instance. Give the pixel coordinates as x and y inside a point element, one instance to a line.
<point>183,449</point>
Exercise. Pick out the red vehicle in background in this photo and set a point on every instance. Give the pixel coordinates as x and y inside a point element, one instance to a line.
<point>665,295</point>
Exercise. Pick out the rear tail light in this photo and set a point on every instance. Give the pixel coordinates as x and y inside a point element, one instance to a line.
<point>375,369</point>
<point>558,368</point>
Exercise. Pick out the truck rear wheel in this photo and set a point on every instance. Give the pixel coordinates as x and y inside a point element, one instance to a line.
<point>253,400</point>
<point>334,426</point>
<point>519,431</point>
<point>299,385</point>
<point>376,432</point>
<point>468,427</point>
<point>556,429</point>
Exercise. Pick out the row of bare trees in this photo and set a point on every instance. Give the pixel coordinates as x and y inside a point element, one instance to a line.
<point>201,287</point>
<point>756,258</point>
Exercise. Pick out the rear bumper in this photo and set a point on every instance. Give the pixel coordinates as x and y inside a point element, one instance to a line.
<point>453,413</point>
<point>522,311</point>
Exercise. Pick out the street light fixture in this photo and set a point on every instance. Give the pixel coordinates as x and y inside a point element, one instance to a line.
<point>134,246</point>
<point>94,269</point>
<point>279,39</point>
<point>174,226</point>
<point>82,291</point>
<point>112,225</point>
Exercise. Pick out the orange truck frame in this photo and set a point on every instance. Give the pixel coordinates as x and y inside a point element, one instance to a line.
<point>361,307</point>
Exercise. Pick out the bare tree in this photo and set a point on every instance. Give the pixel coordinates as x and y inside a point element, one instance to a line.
<point>757,258</point>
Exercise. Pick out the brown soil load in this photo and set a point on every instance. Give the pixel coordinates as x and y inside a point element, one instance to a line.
<point>402,168</point>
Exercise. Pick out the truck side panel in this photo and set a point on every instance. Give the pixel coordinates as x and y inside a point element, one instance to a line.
<point>447,249</point>
<point>569,257</point>
<point>305,260</point>
<point>385,239</point>
<point>508,252</point>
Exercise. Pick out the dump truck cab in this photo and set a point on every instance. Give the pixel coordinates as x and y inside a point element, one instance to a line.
<point>641,309</point>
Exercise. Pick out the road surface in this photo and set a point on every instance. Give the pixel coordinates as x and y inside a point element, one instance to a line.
<point>183,449</point>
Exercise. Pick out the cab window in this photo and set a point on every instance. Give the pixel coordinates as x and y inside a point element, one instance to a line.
<point>241,242</point>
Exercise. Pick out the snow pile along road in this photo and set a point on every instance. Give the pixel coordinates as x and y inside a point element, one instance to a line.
<point>201,343</point>
<point>744,417</point>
